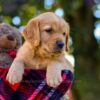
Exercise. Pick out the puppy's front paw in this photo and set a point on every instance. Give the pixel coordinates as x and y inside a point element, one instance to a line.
<point>53,80</point>
<point>65,97</point>
<point>14,76</point>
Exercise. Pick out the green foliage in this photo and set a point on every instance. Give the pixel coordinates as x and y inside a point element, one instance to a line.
<point>26,12</point>
<point>7,19</point>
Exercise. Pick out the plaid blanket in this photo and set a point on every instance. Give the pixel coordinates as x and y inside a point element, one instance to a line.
<point>33,86</point>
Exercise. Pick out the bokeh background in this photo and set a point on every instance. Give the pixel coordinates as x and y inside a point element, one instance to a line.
<point>84,19</point>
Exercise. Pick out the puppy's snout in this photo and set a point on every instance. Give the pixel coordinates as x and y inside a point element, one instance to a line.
<point>10,37</point>
<point>60,44</point>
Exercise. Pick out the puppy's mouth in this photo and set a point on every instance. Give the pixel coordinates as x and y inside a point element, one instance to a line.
<point>54,51</point>
<point>57,51</point>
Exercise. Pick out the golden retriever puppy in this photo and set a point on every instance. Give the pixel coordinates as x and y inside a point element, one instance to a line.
<point>46,40</point>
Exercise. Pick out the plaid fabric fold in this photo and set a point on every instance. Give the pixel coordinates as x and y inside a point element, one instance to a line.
<point>33,86</point>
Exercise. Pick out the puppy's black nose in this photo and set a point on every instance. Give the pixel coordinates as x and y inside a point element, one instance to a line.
<point>60,44</point>
<point>10,37</point>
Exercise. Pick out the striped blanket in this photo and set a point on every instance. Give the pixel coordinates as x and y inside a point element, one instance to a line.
<point>33,86</point>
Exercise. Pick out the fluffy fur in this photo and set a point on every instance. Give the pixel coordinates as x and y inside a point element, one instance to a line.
<point>40,49</point>
<point>10,39</point>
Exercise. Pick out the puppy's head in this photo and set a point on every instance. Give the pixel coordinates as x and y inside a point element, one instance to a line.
<point>48,32</point>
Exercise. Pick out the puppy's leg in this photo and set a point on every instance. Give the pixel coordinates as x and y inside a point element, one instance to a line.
<point>65,97</point>
<point>53,74</point>
<point>16,71</point>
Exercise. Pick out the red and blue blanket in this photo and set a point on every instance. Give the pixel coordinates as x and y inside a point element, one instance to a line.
<point>33,86</point>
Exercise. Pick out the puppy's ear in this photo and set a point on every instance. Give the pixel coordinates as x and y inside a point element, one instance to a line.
<point>31,32</point>
<point>67,37</point>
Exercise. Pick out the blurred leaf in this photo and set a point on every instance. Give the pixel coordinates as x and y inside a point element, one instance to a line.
<point>26,12</point>
<point>7,19</point>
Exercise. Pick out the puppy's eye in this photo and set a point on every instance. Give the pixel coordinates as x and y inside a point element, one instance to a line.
<point>49,30</point>
<point>64,33</point>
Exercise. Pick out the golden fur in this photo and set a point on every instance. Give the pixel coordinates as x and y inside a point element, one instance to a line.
<point>39,50</point>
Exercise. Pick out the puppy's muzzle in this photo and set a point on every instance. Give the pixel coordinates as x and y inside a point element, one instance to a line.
<point>59,47</point>
<point>59,44</point>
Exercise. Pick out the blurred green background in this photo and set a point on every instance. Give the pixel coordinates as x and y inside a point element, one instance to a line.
<point>84,19</point>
